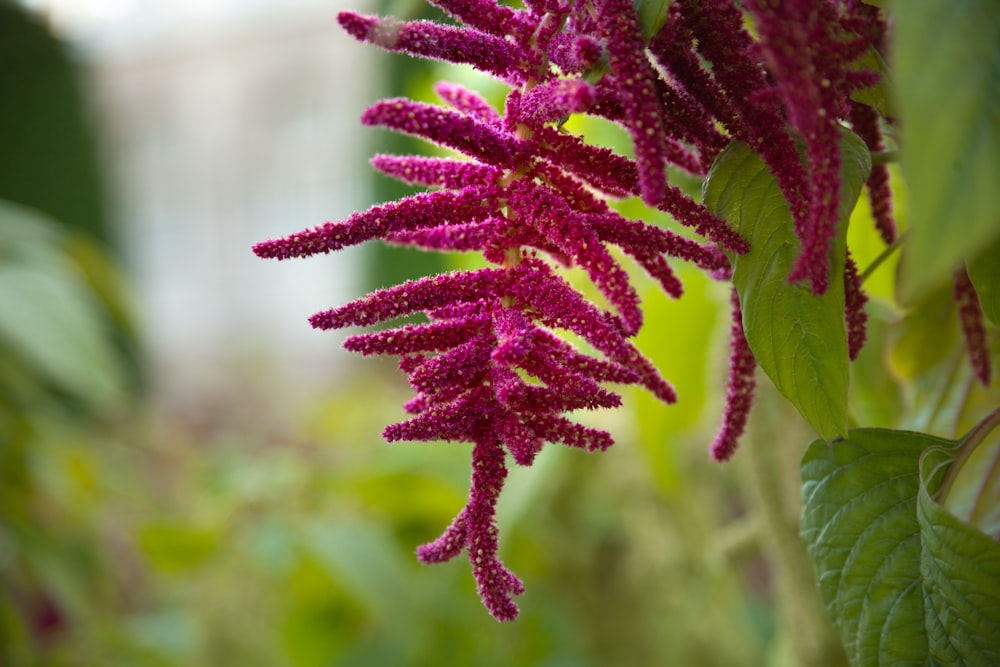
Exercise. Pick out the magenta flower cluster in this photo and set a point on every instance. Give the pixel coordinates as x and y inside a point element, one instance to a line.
<point>486,363</point>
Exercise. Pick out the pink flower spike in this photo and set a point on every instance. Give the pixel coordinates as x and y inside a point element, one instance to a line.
<point>435,171</point>
<point>425,39</point>
<point>813,262</point>
<point>488,15</point>
<point>864,120</point>
<point>449,545</point>
<point>575,54</point>
<point>639,238</point>
<point>558,305</point>
<point>496,584</point>
<point>854,308</point>
<point>740,394</point>
<point>411,297</point>
<point>450,238</point>
<point>601,167</point>
<point>456,420</point>
<point>673,49</point>
<point>420,210</point>
<point>691,214</point>
<point>475,529</point>
<point>555,100</point>
<point>468,102</point>
<point>414,338</point>
<point>462,367</point>
<point>446,127</point>
<point>637,87</point>
<point>659,270</point>
<point>559,429</point>
<point>970,316</point>
<point>564,229</point>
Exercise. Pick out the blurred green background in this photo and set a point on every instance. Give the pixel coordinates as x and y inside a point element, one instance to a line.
<point>263,521</point>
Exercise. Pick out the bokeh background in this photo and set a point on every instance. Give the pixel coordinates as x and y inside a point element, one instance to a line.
<point>191,476</point>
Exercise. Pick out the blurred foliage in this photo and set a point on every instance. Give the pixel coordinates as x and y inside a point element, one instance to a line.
<point>49,154</point>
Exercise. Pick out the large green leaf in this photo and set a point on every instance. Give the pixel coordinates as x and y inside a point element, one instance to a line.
<point>947,59</point>
<point>798,338</point>
<point>860,525</point>
<point>905,581</point>
<point>960,571</point>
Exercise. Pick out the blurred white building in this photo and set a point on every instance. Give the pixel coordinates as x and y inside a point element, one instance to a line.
<point>225,123</point>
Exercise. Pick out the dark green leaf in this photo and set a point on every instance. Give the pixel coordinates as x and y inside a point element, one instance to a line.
<point>652,14</point>
<point>860,525</point>
<point>960,569</point>
<point>984,271</point>
<point>799,339</point>
<point>947,55</point>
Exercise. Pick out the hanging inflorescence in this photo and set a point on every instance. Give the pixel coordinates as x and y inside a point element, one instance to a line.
<point>487,364</point>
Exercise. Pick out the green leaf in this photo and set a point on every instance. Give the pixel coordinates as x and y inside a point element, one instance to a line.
<point>974,496</point>
<point>799,339</point>
<point>652,15</point>
<point>905,581</point>
<point>876,95</point>
<point>960,569</point>
<point>984,271</point>
<point>860,525</point>
<point>51,319</point>
<point>947,54</point>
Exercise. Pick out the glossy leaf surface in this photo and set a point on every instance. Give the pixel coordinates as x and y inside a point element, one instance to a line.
<point>798,338</point>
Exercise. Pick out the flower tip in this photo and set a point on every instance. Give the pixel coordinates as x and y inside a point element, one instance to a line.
<point>270,249</point>
<point>357,26</point>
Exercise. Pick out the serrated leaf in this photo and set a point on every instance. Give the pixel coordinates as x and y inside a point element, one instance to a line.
<point>946,55</point>
<point>860,526</point>
<point>984,272</point>
<point>798,338</point>
<point>960,570</point>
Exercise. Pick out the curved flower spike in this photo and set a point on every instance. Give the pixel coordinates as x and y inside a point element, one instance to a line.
<point>421,210</point>
<point>638,92</point>
<point>426,39</point>
<point>741,387</point>
<point>970,316</point>
<point>453,129</point>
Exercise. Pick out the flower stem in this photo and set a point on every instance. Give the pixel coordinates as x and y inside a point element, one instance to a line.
<point>885,157</point>
<point>886,254</point>
<point>966,447</point>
